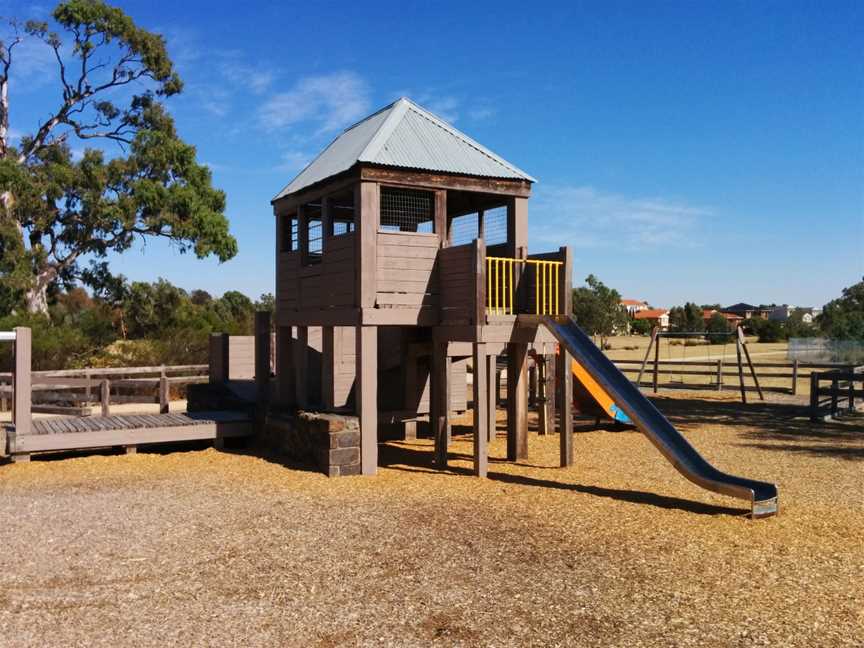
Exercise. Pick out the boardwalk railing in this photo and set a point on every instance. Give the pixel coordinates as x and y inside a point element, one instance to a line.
<point>780,377</point>
<point>72,391</point>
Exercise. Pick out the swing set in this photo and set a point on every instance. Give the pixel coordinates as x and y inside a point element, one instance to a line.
<point>740,347</point>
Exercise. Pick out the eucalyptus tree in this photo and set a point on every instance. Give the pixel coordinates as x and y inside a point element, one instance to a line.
<point>140,181</point>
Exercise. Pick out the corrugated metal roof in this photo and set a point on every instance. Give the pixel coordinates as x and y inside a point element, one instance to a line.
<point>405,135</point>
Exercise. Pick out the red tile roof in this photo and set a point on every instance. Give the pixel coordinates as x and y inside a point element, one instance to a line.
<point>653,313</point>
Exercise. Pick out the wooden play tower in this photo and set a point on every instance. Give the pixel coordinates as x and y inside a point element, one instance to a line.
<point>401,250</point>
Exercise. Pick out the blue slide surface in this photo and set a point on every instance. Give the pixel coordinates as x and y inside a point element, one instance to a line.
<point>651,422</point>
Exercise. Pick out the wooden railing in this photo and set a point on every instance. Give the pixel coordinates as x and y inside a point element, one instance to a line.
<point>838,398</point>
<point>509,289</point>
<point>72,391</point>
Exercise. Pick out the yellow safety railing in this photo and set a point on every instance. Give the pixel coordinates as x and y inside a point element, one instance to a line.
<point>500,285</point>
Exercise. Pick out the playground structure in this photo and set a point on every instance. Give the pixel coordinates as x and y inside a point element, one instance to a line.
<point>371,251</point>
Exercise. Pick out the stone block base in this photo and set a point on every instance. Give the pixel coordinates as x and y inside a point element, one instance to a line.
<point>331,442</point>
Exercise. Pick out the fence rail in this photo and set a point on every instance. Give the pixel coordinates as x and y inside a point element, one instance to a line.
<point>73,391</point>
<point>839,397</point>
<point>770,373</point>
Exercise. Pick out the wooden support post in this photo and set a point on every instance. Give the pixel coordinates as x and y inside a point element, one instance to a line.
<point>657,363</point>
<point>492,405</point>
<point>740,370</point>
<point>549,393</point>
<point>367,200</point>
<point>218,358</point>
<point>720,375</point>
<point>651,343</point>
<point>498,381</point>
<point>262,363</point>
<point>164,400</point>
<point>851,388</point>
<point>105,397</point>
<point>532,385</point>
<point>328,367</point>
<point>130,449</point>
<point>411,398</point>
<point>22,387</point>
<point>794,389</point>
<point>478,263</point>
<point>301,364</point>
<point>285,370</point>
<point>366,396</point>
<point>481,411</point>
<point>441,228</point>
<point>750,363</point>
<point>835,391</point>
<point>517,402</point>
<point>439,418</point>
<point>542,421</point>
<point>565,407</point>
<point>814,397</point>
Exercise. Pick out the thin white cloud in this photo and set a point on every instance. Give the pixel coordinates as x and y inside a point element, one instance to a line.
<point>585,217</point>
<point>330,101</point>
<point>33,65</point>
<point>255,79</point>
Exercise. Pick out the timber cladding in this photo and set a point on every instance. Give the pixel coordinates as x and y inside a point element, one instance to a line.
<point>329,283</point>
<point>406,269</point>
<point>459,280</point>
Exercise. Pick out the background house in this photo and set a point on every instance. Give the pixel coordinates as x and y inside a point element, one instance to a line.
<point>748,311</point>
<point>656,316</point>
<point>732,319</point>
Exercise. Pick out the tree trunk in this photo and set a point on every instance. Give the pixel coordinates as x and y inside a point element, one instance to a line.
<point>36,297</point>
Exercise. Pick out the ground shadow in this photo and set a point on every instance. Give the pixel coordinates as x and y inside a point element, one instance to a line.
<point>411,458</point>
<point>782,426</point>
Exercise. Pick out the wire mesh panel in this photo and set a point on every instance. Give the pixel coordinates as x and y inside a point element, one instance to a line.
<point>316,236</point>
<point>342,227</point>
<point>464,229</point>
<point>290,234</point>
<point>407,210</point>
<point>495,226</point>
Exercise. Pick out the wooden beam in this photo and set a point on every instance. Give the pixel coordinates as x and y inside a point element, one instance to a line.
<point>517,225</point>
<point>517,402</point>
<point>750,363</point>
<point>366,396</point>
<point>481,411</point>
<point>427,180</point>
<point>478,263</point>
<point>21,415</point>
<point>218,357</point>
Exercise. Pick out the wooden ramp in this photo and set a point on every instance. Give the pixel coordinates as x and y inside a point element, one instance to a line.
<point>48,435</point>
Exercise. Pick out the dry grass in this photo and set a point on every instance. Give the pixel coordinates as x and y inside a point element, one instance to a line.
<point>209,548</point>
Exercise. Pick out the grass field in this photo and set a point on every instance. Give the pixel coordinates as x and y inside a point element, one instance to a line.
<point>209,548</point>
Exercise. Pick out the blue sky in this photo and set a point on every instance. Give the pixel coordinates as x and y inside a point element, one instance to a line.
<point>706,151</point>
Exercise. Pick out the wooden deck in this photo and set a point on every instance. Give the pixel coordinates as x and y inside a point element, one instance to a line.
<point>128,431</point>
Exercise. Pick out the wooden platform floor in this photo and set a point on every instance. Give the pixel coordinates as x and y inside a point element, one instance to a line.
<point>129,422</point>
<point>129,431</point>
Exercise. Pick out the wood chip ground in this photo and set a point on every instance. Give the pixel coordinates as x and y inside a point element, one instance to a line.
<point>229,549</point>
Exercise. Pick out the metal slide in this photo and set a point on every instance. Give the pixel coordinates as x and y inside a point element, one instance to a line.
<point>649,420</point>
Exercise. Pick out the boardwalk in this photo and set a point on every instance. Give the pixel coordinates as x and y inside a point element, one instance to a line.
<point>127,431</point>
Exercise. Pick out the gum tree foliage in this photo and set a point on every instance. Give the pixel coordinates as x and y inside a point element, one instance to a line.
<point>686,318</point>
<point>843,318</point>
<point>55,210</point>
<point>597,308</point>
